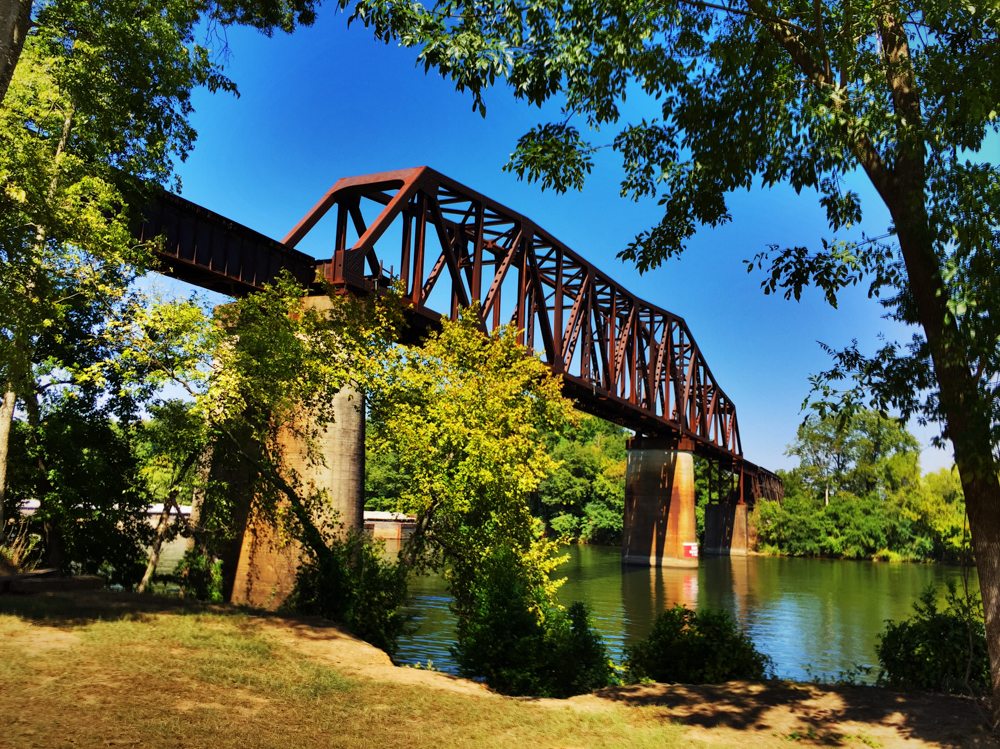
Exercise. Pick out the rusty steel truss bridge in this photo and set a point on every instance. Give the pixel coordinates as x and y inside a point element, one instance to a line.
<point>620,358</point>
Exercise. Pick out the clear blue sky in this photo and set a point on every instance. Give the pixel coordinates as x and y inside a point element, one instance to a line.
<point>329,102</point>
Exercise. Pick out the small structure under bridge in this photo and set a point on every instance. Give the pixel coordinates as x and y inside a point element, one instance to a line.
<point>620,357</point>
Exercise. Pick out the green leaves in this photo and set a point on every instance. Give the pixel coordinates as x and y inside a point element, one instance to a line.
<point>696,647</point>
<point>937,650</point>
<point>467,413</point>
<point>839,265</point>
<point>555,154</point>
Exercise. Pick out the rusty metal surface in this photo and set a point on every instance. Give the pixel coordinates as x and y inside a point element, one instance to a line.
<point>213,252</point>
<point>620,357</point>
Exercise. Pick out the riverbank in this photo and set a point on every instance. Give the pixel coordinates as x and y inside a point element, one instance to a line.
<point>95,668</point>
<point>836,609</point>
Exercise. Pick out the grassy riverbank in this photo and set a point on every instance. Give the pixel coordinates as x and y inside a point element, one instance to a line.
<point>102,669</point>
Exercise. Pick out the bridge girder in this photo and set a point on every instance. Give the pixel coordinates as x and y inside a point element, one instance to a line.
<point>620,357</point>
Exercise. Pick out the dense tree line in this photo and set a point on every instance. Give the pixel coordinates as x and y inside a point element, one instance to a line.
<point>858,493</point>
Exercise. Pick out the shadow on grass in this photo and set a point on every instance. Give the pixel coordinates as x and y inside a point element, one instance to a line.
<point>805,714</point>
<point>815,715</point>
<point>68,609</point>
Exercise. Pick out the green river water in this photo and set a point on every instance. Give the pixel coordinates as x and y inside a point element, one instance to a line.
<point>815,618</point>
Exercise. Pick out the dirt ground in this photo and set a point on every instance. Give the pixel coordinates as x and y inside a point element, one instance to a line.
<point>736,714</point>
<point>733,714</point>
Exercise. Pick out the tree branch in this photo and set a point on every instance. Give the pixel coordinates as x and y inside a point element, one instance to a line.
<point>759,14</point>
<point>861,145</point>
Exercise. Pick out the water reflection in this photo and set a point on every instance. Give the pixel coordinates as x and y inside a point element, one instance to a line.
<point>815,618</point>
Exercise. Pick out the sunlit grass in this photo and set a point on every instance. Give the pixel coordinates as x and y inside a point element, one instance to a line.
<point>177,677</point>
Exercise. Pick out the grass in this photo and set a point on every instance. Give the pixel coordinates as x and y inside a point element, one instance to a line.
<point>197,677</point>
<point>100,670</point>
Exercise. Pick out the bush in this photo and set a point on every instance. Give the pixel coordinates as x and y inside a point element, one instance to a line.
<point>511,637</point>
<point>80,466</point>
<point>689,647</point>
<point>355,585</point>
<point>200,575</point>
<point>937,651</point>
<point>579,661</point>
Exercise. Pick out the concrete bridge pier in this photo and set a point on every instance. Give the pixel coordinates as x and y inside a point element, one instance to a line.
<point>335,467</point>
<point>727,531</point>
<point>659,527</point>
<point>269,559</point>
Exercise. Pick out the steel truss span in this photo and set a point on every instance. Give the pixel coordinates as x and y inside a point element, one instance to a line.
<point>621,358</point>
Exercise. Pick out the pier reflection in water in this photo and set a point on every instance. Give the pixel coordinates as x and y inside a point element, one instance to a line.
<point>815,618</point>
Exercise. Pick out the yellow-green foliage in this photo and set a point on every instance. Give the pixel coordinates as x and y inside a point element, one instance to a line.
<point>467,414</point>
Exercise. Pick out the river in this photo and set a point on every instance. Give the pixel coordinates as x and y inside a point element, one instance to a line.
<point>815,618</point>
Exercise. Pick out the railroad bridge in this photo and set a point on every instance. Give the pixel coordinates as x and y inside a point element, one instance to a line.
<point>620,358</point>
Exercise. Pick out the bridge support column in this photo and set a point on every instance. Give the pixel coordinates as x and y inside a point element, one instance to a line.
<point>726,529</point>
<point>268,560</point>
<point>659,527</point>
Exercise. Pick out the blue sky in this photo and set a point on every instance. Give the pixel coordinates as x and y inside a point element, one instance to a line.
<point>328,102</point>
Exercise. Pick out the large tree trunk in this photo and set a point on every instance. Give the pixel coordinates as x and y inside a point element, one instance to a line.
<point>15,20</point>
<point>6,423</point>
<point>967,425</point>
<point>965,407</point>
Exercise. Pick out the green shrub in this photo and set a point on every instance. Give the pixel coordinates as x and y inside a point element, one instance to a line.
<point>937,651</point>
<point>512,638</point>
<point>200,576</point>
<point>579,660</point>
<point>355,585</point>
<point>704,647</point>
<point>79,464</point>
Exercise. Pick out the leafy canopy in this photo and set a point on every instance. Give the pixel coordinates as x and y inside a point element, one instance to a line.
<point>757,92</point>
<point>467,417</point>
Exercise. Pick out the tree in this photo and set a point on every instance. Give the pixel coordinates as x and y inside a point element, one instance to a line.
<point>584,496</point>
<point>94,94</point>
<point>861,452</point>
<point>858,493</point>
<point>92,500</point>
<point>811,94</point>
<point>467,416</point>
<point>104,96</point>
<point>69,17</point>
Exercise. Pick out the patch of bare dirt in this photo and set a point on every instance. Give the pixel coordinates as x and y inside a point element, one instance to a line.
<point>41,639</point>
<point>750,714</point>
<point>735,714</point>
<point>238,701</point>
<point>349,655</point>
